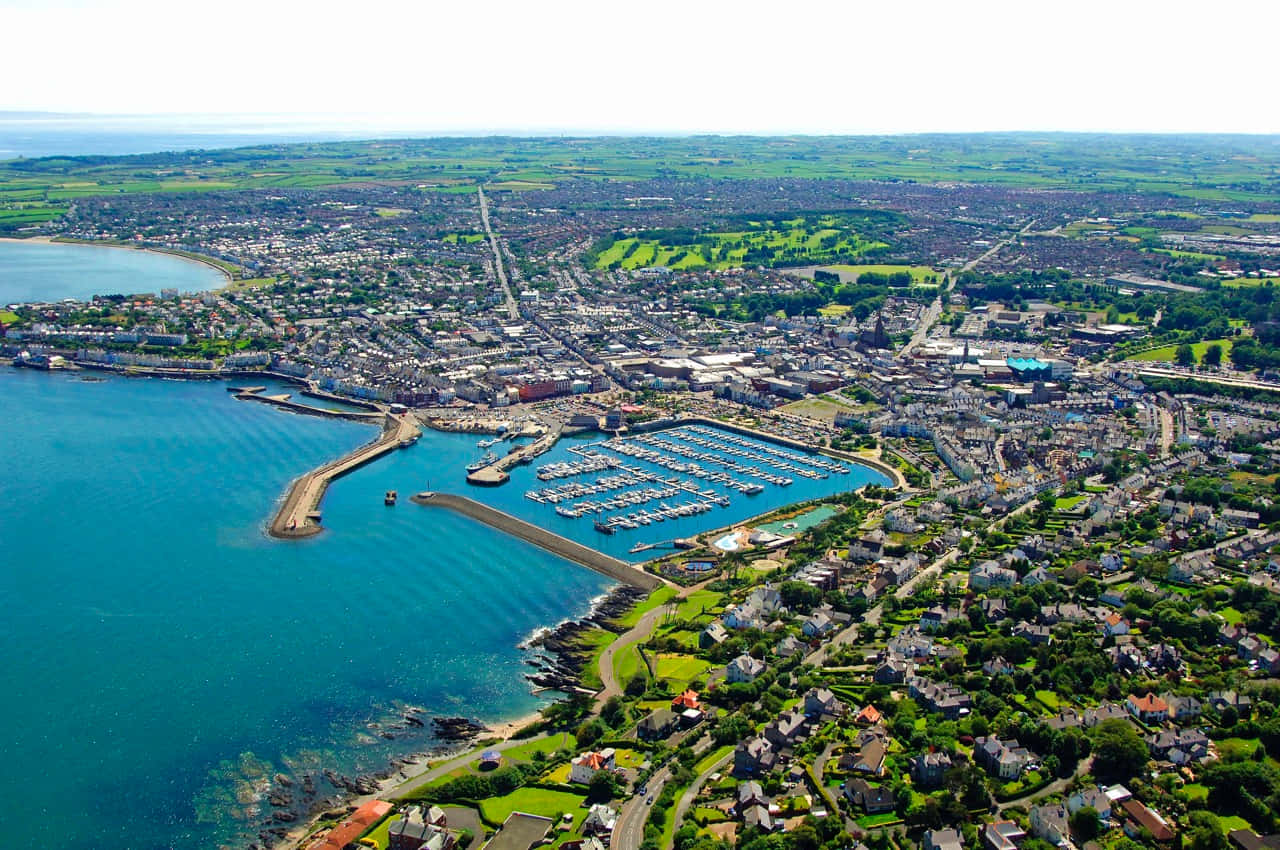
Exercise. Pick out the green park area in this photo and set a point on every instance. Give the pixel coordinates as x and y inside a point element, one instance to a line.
<point>1168,353</point>
<point>765,242</point>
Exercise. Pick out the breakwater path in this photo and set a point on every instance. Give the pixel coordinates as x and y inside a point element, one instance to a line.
<point>554,543</point>
<point>299,515</point>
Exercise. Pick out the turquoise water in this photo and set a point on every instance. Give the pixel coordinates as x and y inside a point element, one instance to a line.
<point>51,271</point>
<point>157,644</point>
<point>153,635</point>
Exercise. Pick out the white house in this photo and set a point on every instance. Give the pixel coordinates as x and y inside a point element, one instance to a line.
<point>744,668</point>
<point>587,765</point>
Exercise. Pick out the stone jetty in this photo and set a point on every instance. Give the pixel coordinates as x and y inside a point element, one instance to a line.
<point>554,543</point>
<point>299,515</point>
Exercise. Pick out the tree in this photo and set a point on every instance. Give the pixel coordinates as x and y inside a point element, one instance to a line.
<point>1084,824</point>
<point>1183,355</point>
<point>1119,753</point>
<point>1212,355</point>
<point>603,787</point>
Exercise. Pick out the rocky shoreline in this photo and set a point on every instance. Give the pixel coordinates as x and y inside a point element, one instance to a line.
<point>322,792</point>
<point>560,658</point>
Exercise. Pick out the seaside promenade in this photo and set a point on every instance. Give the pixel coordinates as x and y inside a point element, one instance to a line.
<point>554,543</point>
<point>298,516</point>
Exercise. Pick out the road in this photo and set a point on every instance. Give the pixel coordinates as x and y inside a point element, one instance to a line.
<point>628,832</point>
<point>1054,787</point>
<point>935,307</point>
<point>691,793</point>
<point>498,268</point>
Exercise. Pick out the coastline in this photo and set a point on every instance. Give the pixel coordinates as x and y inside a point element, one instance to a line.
<point>189,256</point>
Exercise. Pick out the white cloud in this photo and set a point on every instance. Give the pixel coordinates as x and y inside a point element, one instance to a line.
<point>662,65</point>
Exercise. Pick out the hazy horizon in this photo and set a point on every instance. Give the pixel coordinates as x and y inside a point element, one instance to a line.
<point>671,68</point>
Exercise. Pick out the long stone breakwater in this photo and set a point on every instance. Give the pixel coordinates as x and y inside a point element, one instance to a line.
<point>299,514</point>
<point>540,537</point>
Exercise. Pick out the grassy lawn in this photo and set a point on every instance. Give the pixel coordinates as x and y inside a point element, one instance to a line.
<point>1195,791</point>
<point>868,821</point>
<point>711,758</point>
<point>693,605</point>
<point>1166,353</point>
<point>1231,615</point>
<point>1049,699</point>
<point>919,274</point>
<point>549,744</point>
<point>534,801</point>
<point>660,596</point>
<point>249,283</point>
<point>7,317</point>
<point>834,310</point>
<point>680,669</point>
<point>1251,281</point>
<point>1233,822</point>
<point>1067,503</point>
<point>823,409</point>
<point>627,663</point>
<point>1237,749</point>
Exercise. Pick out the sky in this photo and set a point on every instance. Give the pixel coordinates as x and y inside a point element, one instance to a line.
<point>664,66</point>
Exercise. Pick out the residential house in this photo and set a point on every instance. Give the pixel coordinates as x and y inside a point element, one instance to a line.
<point>1149,708</point>
<point>1003,759</point>
<point>1002,835</point>
<point>754,757</point>
<point>944,698</point>
<point>658,724</point>
<point>990,574</point>
<point>818,624</point>
<point>584,767</point>
<point>600,820</point>
<point>1181,747</point>
<point>942,839</point>
<point>744,668</point>
<point>1039,576</point>
<point>713,635</point>
<point>873,799</point>
<point>892,672</point>
<point>997,666</point>
<point>870,759</point>
<point>786,729</point>
<point>1033,634</point>
<point>1138,818</point>
<point>868,716</point>
<point>936,618</point>
<point>1182,709</point>
<point>1092,798</point>
<point>820,701</point>
<point>929,769</point>
<point>1049,823</point>
<point>418,828</point>
<point>750,794</point>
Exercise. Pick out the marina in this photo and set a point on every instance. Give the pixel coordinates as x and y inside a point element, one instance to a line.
<point>625,484</point>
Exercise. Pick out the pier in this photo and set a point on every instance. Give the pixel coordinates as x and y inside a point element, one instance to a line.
<point>496,472</point>
<point>299,514</point>
<point>283,401</point>
<point>540,537</point>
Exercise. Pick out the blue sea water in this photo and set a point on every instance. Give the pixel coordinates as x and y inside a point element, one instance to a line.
<point>153,637</point>
<point>161,652</point>
<point>51,271</point>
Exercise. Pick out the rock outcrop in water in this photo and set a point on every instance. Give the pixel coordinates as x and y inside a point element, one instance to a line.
<point>562,658</point>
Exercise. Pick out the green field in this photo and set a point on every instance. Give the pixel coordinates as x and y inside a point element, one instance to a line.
<point>7,317</point>
<point>1066,503</point>
<point>920,275</point>
<point>1251,281</point>
<point>1049,699</point>
<point>692,606</point>
<point>34,190</point>
<point>766,242</point>
<point>680,670</point>
<point>1167,353</point>
<point>534,801</point>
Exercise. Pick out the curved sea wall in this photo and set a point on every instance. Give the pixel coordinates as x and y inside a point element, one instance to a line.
<point>540,537</point>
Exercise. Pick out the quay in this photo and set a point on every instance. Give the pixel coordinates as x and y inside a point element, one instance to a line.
<point>496,472</point>
<point>540,537</point>
<point>299,515</point>
<point>283,401</point>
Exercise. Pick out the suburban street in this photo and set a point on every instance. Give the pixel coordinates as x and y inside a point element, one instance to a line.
<point>499,269</point>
